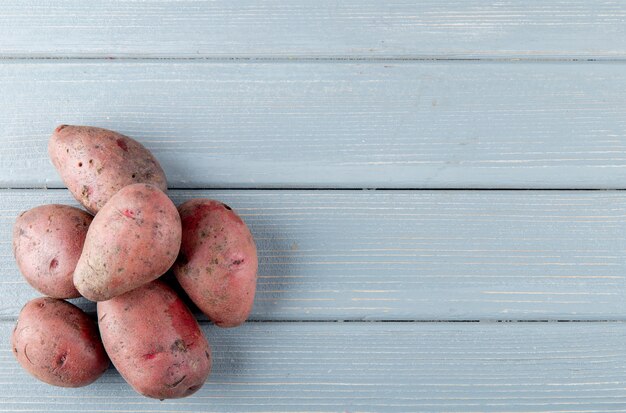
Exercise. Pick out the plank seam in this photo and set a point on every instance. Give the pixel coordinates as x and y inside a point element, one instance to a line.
<point>416,321</point>
<point>380,189</point>
<point>330,59</point>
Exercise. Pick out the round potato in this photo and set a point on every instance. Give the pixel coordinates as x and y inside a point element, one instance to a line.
<point>217,264</point>
<point>95,163</point>
<point>47,242</point>
<point>134,239</point>
<point>58,343</point>
<point>155,342</point>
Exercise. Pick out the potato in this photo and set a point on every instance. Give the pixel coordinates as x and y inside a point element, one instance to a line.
<point>134,239</point>
<point>47,242</point>
<point>58,343</point>
<point>217,264</point>
<point>95,163</point>
<point>155,342</point>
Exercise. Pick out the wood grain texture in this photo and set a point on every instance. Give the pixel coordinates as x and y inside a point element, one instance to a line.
<point>323,28</point>
<point>349,125</point>
<point>410,255</point>
<point>372,367</point>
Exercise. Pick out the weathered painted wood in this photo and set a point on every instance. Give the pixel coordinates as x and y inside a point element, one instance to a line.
<point>372,367</point>
<point>363,125</point>
<point>411,255</point>
<point>321,28</point>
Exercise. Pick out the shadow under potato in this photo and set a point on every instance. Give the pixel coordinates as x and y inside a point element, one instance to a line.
<point>86,305</point>
<point>170,279</point>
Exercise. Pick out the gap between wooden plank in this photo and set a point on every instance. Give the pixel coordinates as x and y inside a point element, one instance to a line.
<point>329,59</point>
<point>381,189</point>
<point>202,320</point>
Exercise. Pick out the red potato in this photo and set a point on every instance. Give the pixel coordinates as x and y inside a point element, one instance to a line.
<point>155,342</point>
<point>217,264</point>
<point>47,242</point>
<point>58,343</point>
<point>134,239</point>
<point>95,163</point>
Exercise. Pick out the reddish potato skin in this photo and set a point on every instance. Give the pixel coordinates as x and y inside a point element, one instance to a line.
<point>47,242</point>
<point>217,265</point>
<point>134,239</point>
<point>155,342</point>
<point>95,163</point>
<point>58,343</point>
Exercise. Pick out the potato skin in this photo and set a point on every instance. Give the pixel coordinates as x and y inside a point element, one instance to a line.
<point>58,343</point>
<point>217,265</point>
<point>47,242</point>
<point>134,239</point>
<point>155,342</point>
<point>95,163</point>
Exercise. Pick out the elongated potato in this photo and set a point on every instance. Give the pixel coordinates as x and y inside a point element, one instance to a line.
<point>134,239</point>
<point>95,163</point>
<point>155,342</point>
<point>217,264</point>
<point>58,344</point>
<point>47,242</point>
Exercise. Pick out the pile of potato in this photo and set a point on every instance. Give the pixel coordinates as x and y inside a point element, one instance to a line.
<point>115,258</point>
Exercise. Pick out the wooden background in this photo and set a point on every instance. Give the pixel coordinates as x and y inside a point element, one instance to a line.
<point>435,187</point>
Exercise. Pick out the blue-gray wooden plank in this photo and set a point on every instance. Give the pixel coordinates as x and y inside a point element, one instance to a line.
<point>321,28</point>
<point>410,255</point>
<point>371,367</point>
<point>340,124</point>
